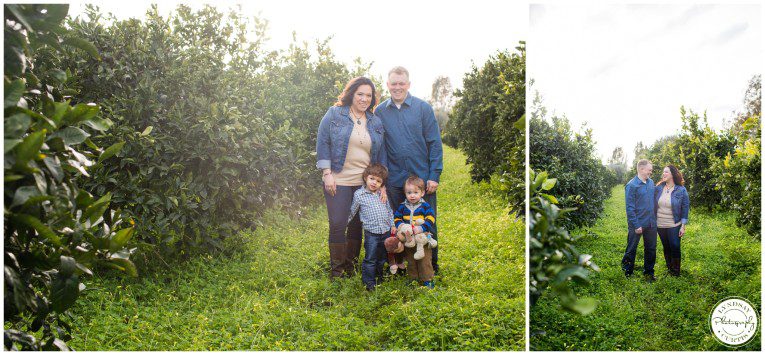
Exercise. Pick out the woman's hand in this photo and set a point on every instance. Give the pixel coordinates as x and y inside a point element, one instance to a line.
<point>384,195</point>
<point>682,230</point>
<point>329,184</point>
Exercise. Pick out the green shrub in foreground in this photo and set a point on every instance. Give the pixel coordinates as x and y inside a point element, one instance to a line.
<point>54,231</point>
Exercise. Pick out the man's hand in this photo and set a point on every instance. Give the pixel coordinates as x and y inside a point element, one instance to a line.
<point>639,230</point>
<point>432,187</point>
<point>384,195</point>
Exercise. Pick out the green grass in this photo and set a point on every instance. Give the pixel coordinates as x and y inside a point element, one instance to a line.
<point>274,293</point>
<point>719,260</point>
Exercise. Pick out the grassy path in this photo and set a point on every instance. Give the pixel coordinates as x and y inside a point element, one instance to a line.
<point>273,294</point>
<point>719,260</point>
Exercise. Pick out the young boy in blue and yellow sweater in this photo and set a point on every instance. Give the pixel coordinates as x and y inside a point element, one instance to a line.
<point>412,209</point>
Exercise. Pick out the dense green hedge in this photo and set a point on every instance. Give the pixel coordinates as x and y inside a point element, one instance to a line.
<point>217,129</point>
<point>488,122</point>
<point>583,181</point>
<point>55,231</point>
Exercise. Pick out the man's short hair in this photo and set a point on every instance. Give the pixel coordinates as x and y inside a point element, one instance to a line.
<point>400,71</point>
<point>415,181</point>
<point>375,170</point>
<point>643,162</point>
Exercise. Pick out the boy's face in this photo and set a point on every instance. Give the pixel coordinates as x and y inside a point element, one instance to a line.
<point>374,183</point>
<point>413,193</point>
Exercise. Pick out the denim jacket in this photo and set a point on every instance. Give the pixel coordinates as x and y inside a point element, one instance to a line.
<point>334,132</point>
<point>680,202</point>
<point>639,197</point>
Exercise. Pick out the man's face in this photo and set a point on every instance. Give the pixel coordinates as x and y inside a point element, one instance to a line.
<point>646,171</point>
<point>398,85</point>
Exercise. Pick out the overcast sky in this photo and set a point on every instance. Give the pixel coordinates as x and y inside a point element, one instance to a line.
<point>429,38</point>
<point>618,67</point>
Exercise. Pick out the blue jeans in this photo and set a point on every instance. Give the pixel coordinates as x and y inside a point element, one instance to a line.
<point>374,250</point>
<point>670,241</point>
<point>338,209</point>
<point>396,197</point>
<point>649,251</point>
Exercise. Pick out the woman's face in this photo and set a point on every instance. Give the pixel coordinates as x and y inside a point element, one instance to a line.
<point>362,98</point>
<point>666,175</point>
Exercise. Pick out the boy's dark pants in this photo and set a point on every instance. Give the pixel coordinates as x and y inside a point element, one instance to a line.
<point>649,251</point>
<point>396,197</point>
<point>374,258</point>
<point>421,270</point>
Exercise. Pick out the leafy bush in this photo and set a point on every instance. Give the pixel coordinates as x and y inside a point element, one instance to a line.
<point>554,261</point>
<point>583,182</point>
<point>721,169</point>
<point>488,122</point>
<point>227,128</point>
<point>55,231</point>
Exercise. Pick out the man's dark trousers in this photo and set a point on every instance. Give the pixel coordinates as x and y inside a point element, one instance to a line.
<point>396,197</point>
<point>649,251</point>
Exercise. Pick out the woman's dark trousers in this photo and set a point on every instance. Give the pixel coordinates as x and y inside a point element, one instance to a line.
<point>670,242</point>
<point>344,237</point>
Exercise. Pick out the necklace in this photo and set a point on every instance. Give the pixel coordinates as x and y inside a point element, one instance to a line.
<point>353,115</point>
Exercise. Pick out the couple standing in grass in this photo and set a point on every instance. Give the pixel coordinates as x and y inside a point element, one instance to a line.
<point>661,209</point>
<point>355,138</point>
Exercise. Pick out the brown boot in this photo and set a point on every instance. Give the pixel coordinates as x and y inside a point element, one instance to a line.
<point>353,249</point>
<point>337,253</point>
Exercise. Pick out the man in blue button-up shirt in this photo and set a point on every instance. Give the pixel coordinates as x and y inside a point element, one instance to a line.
<point>412,143</point>
<point>641,219</point>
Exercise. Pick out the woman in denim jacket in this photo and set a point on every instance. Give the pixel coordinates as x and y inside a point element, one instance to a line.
<point>671,203</point>
<point>350,138</point>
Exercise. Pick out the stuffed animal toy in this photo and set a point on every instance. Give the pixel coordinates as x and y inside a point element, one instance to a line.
<point>416,240</point>
<point>393,246</point>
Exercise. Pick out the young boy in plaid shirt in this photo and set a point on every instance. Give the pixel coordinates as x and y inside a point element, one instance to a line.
<point>377,218</point>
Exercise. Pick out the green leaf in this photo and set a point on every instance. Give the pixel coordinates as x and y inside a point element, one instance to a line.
<point>71,135</point>
<point>81,112</point>
<point>13,92</point>
<point>124,265</point>
<point>549,184</point>
<point>83,199</point>
<point>9,144</point>
<point>17,11</point>
<point>16,125</point>
<point>98,123</point>
<point>64,292</point>
<point>120,239</point>
<point>549,198</point>
<point>147,131</point>
<point>56,13</point>
<point>29,148</point>
<point>97,209</point>
<point>111,151</point>
<point>36,224</point>
<point>22,194</point>
<point>68,266</point>
<point>83,44</point>
<point>54,166</point>
<point>583,306</point>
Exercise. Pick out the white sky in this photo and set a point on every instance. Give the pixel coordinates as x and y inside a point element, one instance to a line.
<point>615,65</point>
<point>429,38</point>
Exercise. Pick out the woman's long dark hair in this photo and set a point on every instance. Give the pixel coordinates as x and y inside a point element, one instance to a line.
<point>677,176</point>
<point>346,98</point>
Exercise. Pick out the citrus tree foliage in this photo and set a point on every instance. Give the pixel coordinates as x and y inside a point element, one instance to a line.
<point>55,231</point>
<point>583,182</point>
<point>217,129</point>
<point>721,170</point>
<point>488,122</point>
<point>554,261</point>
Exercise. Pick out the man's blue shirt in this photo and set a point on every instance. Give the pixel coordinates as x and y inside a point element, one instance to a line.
<point>640,204</point>
<point>412,140</point>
